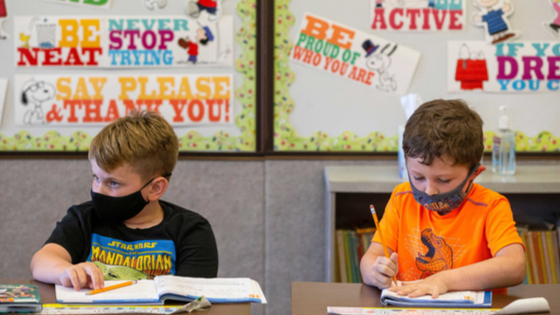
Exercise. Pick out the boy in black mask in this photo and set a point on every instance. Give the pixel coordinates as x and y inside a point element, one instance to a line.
<point>440,227</point>
<point>126,224</point>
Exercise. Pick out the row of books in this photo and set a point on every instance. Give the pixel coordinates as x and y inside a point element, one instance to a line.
<point>541,257</point>
<point>350,247</point>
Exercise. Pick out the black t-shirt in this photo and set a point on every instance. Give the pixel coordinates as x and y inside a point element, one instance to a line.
<point>182,244</point>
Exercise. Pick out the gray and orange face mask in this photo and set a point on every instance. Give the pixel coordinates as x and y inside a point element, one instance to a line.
<point>445,202</point>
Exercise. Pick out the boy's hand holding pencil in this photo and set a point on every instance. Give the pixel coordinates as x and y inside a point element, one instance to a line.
<point>385,266</point>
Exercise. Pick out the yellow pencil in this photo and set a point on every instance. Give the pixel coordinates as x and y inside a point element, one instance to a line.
<point>116,286</point>
<point>381,237</point>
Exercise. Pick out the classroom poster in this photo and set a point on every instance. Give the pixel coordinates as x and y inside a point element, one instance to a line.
<point>122,42</point>
<point>353,55</point>
<point>98,4</point>
<point>418,15</point>
<point>532,67</point>
<point>80,100</point>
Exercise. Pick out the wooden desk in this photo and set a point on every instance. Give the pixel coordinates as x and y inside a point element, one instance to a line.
<point>312,298</point>
<point>48,296</point>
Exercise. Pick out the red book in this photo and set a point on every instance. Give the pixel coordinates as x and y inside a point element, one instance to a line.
<point>538,256</point>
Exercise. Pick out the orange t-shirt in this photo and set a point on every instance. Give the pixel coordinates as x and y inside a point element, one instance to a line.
<point>428,243</point>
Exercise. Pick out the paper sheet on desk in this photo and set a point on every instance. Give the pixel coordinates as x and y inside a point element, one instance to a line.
<point>144,292</point>
<point>61,309</point>
<point>525,306</point>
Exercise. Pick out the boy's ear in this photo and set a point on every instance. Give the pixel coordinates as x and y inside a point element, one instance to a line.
<point>479,170</point>
<point>159,186</point>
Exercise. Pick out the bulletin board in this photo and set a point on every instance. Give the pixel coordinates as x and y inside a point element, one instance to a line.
<point>65,124</point>
<point>317,111</point>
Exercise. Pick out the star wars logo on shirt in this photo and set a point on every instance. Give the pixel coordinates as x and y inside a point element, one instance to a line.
<point>150,257</point>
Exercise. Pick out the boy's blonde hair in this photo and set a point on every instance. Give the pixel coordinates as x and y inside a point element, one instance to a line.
<point>444,127</point>
<point>144,140</point>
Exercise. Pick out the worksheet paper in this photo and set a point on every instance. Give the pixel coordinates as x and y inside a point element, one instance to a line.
<point>143,292</point>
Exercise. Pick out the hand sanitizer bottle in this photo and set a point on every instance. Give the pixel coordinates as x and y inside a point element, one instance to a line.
<point>503,153</point>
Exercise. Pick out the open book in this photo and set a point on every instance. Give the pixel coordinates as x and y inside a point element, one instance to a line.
<point>459,299</point>
<point>216,290</point>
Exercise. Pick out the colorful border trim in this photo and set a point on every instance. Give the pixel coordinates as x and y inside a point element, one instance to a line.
<point>221,141</point>
<point>287,139</point>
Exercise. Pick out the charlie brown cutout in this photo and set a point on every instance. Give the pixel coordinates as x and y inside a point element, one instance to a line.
<point>553,27</point>
<point>493,16</point>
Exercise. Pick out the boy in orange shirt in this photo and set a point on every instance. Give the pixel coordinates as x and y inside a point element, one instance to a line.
<point>440,227</point>
<point>126,232</point>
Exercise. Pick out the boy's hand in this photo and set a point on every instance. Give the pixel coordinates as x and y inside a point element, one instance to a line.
<point>383,271</point>
<point>433,285</point>
<point>83,275</point>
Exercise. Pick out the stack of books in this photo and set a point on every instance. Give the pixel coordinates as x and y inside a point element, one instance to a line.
<point>541,257</point>
<point>351,245</point>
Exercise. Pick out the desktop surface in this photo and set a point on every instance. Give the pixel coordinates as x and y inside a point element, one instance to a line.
<point>48,296</point>
<point>311,298</point>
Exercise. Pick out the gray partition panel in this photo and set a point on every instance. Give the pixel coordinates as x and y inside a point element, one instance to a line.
<point>35,194</point>
<point>295,226</point>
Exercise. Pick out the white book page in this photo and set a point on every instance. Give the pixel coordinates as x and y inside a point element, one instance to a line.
<point>214,288</point>
<point>476,297</point>
<point>141,292</point>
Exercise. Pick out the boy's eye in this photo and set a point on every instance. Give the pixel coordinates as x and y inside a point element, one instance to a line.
<point>418,178</point>
<point>445,180</point>
<point>113,183</point>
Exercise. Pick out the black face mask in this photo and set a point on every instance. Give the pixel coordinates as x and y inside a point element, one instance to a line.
<point>446,202</point>
<point>119,209</point>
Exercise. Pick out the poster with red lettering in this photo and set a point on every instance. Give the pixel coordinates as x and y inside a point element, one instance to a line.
<point>510,67</point>
<point>418,15</point>
<point>89,100</point>
<point>123,42</point>
<point>350,54</point>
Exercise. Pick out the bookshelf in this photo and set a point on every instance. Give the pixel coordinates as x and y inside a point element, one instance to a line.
<point>533,183</point>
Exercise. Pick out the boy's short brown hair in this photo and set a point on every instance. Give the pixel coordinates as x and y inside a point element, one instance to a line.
<point>444,127</point>
<point>144,140</point>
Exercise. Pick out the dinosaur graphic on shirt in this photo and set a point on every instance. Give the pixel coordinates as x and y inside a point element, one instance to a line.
<point>438,257</point>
